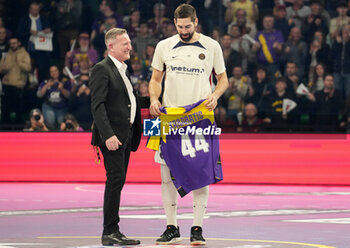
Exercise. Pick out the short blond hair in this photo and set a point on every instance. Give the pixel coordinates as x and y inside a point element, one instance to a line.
<point>112,33</point>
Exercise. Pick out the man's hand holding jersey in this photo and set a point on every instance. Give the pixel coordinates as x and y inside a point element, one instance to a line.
<point>154,108</point>
<point>211,102</point>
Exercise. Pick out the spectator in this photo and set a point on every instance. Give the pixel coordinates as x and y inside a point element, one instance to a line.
<point>243,45</point>
<point>328,105</point>
<point>80,102</point>
<point>295,50</point>
<point>70,124</point>
<point>125,7</point>
<point>133,23</point>
<point>55,91</point>
<point>15,68</point>
<point>68,23</point>
<point>269,46</point>
<point>298,12</point>
<point>142,39</point>
<point>291,80</point>
<point>345,121</point>
<point>244,25</point>
<point>37,122</point>
<point>316,82</point>
<point>106,9</point>
<point>3,42</point>
<point>83,51</point>
<point>8,31</point>
<point>147,60</point>
<point>260,88</point>
<point>236,92</point>
<point>143,89</point>
<point>316,21</point>
<point>276,119</point>
<point>156,22</point>
<point>281,22</point>
<point>319,52</point>
<point>250,7</point>
<point>29,26</point>
<point>341,60</point>
<point>251,122</point>
<point>137,74</point>
<point>338,22</point>
<point>98,41</point>
<point>232,58</point>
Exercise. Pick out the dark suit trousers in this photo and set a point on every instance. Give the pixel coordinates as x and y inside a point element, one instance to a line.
<point>116,165</point>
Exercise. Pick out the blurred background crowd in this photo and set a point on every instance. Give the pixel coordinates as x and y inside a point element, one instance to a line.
<point>288,61</point>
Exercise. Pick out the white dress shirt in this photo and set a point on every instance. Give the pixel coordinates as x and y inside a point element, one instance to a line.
<point>122,70</point>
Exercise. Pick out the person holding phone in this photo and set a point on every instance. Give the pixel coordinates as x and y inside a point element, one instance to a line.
<point>37,123</point>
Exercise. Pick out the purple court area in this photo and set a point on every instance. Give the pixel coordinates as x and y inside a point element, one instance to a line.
<point>34,215</point>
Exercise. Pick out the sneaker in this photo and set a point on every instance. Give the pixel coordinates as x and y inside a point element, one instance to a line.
<point>196,236</point>
<point>170,236</point>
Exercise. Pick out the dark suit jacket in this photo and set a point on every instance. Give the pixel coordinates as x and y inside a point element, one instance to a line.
<point>110,106</point>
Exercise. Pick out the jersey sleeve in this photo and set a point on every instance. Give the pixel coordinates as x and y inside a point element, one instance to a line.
<point>219,63</point>
<point>158,58</point>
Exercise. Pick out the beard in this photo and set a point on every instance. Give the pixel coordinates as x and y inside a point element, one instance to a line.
<point>188,38</point>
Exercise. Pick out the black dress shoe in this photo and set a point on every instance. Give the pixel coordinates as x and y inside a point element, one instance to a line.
<point>118,239</point>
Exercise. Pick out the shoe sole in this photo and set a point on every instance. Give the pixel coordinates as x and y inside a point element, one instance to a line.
<point>173,241</point>
<point>120,243</point>
<point>197,243</point>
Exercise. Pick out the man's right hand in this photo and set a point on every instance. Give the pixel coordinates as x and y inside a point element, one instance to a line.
<point>154,109</point>
<point>113,143</point>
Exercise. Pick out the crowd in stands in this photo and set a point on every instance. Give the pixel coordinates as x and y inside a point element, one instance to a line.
<point>288,61</point>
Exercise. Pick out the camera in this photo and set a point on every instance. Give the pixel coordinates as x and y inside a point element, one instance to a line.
<point>69,126</point>
<point>36,117</point>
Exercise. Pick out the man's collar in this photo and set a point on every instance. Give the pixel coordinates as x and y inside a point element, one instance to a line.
<point>118,64</point>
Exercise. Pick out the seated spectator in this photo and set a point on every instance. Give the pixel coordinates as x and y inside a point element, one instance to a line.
<point>155,23</point>
<point>316,21</point>
<point>125,7</point>
<point>37,122</point>
<point>244,25</point>
<point>251,122</point>
<point>83,51</point>
<point>342,19</point>
<point>341,60</point>
<point>274,117</point>
<point>345,121</point>
<point>243,46</point>
<point>269,46</point>
<point>133,23</point>
<point>67,22</point>
<point>28,27</point>
<point>316,81</point>
<point>298,12</point>
<point>98,41</point>
<point>232,57</point>
<point>147,60</point>
<point>80,102</point>
<point>260,88</point>
<point>9,33</point>
<point>142,39</point>
<point>292,78</point>
<point>328,105</point>
<point>106,9</point>
<point>236,93</point>
<point>70,124</point>
<point>143,89</point>
<point>15,68</point>
<point>137,74</point>
<point>250,7</point>
<point>319,52</point>
<point>295,50</point>
<point>281,22</point>
<point>3,42</point>
<point>55,91</point>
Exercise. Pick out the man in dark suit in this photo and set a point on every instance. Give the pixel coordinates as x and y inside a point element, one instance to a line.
<point>117,127</point>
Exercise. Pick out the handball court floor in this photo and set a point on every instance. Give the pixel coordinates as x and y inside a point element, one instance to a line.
<point>54,215</point>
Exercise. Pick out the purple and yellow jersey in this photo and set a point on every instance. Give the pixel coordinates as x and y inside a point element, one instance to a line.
<point>189,144</point>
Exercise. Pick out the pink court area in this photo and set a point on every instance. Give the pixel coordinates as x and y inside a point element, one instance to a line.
<point>56,215</point>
